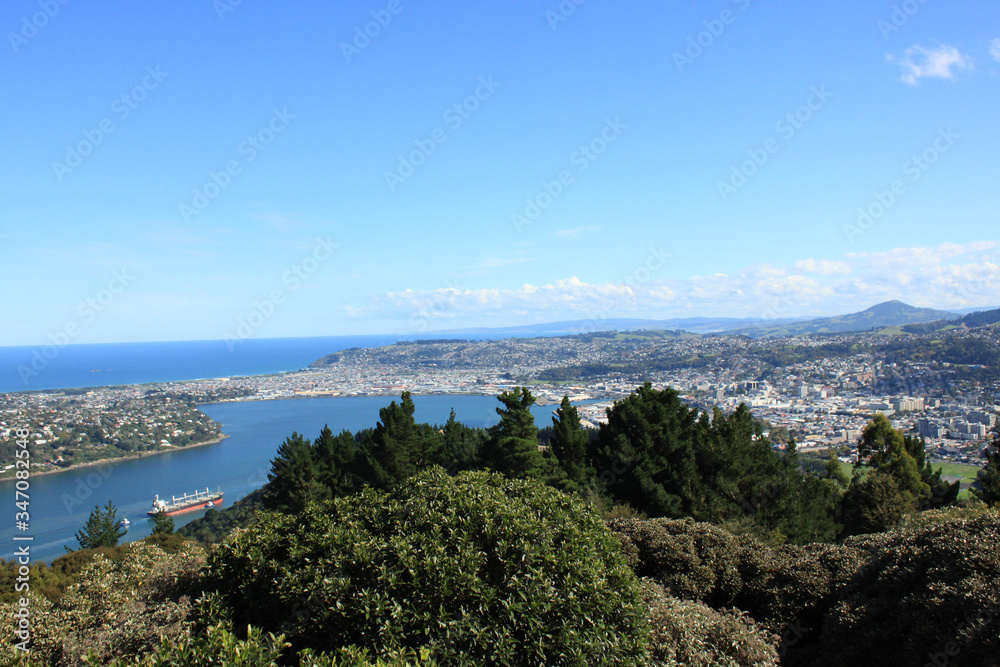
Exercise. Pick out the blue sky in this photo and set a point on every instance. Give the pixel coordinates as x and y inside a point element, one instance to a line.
<point>207,169</point>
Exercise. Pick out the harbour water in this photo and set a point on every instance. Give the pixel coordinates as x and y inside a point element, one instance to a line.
<point>60,503</point>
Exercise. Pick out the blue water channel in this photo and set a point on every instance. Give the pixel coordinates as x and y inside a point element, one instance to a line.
<point>60,503</point>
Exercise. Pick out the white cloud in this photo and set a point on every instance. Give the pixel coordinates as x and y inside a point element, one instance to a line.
<point>995,49</point>
<point>919,62</point>
<point>945,276</point>
<point>824,267</point>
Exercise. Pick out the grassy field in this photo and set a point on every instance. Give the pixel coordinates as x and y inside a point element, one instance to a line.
<point>958,470</point>
<point>966,473</point>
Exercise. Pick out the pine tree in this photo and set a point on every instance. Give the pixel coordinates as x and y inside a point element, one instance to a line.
<point>459,447</point>
<point>162,524</point>
<point>645,454</point>
<point>989,477</point>
<point>335,456</point>
<point>874,503</point>
<point>886,450</point>
<point>513,445</point>
<point>834,472</point>
<point>397,448</point>
<point>569,443</point>
<point>102,529</point>
<point>293,480</point>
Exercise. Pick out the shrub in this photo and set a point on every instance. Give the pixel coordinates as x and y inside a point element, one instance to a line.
<point>786,589</point>
<point>929,518</point>
<point>115,608</point>
<point>791,588</point>
<point>694,561</point>
<point>477,568</point>
<point>691,634</point>
<point>921,594</point>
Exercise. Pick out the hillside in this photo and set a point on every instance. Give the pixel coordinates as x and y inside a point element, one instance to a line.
<point>693,324</point>
<point>979,318</point>
<point>879,316</point>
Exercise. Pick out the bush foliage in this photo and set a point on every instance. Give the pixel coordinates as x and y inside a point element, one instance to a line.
<point>932,592</point>
<point>117,608</point>
<point>890,598</point>
<point>694,635</point>
<point>478,568</point>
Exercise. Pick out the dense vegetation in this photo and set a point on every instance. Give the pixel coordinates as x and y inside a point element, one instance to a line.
<point>477,568</point>
<point>655,457</point>
<point>410,543</point>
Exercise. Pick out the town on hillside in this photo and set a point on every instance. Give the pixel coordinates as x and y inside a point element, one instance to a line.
<point>820,389</point>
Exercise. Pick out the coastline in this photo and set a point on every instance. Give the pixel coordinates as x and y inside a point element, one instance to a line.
<point>141,455</point>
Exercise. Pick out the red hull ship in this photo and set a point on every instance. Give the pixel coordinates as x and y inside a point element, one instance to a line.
<point>186,503</point>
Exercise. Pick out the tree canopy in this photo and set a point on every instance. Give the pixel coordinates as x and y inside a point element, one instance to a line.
<point>103,528</point>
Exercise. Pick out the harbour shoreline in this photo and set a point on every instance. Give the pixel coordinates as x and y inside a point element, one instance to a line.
<point>141,455</point>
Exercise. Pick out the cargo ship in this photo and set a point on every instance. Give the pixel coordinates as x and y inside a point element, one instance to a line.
<point>186,503</point>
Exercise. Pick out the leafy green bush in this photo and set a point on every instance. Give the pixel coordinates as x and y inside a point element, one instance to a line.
<point>218,646</point>
<point>929,518</point>
<point>691,634</point>
<point>115,608</point>
<point>51,581</point>
<point>786,589</point>
<point>477,568</point>
<point>790,589</point>
<point>934,592</point>
<point>694,561</point>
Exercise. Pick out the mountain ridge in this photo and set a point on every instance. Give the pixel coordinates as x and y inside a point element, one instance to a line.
<point>879,316</point>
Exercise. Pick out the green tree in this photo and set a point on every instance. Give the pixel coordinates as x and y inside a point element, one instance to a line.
<point>569,443</point>
<point>335,458</point>
<point>834,472</point>
<point>162,524</point>
<point>989,477</point>
<point>941,492</point>
<point>873,503</point>
<point>885,449</point>
<point>460,445</point>
<point>294,477</point>
<point>512,449</point>
<point>645,454</point>
<point>397,445</point>
<point>102,529</point>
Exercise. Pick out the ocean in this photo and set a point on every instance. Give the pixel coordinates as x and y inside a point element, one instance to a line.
<point>101,365</point>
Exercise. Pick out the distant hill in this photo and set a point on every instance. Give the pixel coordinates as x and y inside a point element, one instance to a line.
<point>879,316</point>
<point>692,324</point>
<point>981,318</point>
<point>973,319</point>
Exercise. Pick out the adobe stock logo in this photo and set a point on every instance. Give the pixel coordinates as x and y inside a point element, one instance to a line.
<point>454,116</point>
<point>122,107</point>
<point>248,149</point>
<point>582,158</point>
<point>786,127</point>
<point>381,18</point>
<point>87,310</point>
<point>295,277</point>
<point>914,168</point>
<point>38,20</point>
